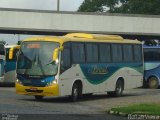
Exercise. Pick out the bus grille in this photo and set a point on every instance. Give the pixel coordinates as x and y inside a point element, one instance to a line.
<point>36,91</point>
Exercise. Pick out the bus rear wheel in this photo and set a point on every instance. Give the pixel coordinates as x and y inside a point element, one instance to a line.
<point>153,83</point>
<point>38,97</point>
<point>118,89</point>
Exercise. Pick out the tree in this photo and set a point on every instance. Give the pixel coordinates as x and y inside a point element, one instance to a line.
<point>97,5</point>
<point>92,6</point>
<point>122,6</point>
<point>140,7</point>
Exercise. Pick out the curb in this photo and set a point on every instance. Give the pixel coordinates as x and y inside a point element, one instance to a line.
<point>118,113</point>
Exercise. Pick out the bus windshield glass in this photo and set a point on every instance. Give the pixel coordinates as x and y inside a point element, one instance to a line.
<point>152,54</point>
<point>35,59</point>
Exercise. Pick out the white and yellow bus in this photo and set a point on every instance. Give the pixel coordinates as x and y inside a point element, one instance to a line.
<point>77,64</point>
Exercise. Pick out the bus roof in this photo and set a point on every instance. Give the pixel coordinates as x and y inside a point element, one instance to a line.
<point>83,37</point>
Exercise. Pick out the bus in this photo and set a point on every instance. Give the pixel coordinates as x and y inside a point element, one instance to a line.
<point>77,64</point>
<point>2,61</point>
<point>151,66</point>
<point>9,64</point>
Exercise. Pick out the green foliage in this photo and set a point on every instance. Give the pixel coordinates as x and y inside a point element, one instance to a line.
<point>97,5</point>
<point>140,7</point>
<point>122,6</point>
<point>92,6</point>
<point>152,109</point>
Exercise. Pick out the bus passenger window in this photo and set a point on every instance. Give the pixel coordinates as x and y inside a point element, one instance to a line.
<point>105,53</point>
<point>78,53</point>
<point>92,52</point>
<point>65,59</point>
<point>137,54</point>
<point>116,53</point>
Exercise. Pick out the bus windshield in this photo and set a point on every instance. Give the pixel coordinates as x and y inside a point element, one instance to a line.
<point>35,59</point>
<point>152,54</point>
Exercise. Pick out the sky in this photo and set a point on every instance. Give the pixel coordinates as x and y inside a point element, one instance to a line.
<point>65,5</point>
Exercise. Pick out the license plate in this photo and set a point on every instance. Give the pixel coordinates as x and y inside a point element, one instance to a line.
<point>33,89</point>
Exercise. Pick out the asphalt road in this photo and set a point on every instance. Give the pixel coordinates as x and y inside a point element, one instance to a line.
<point>90,108</point>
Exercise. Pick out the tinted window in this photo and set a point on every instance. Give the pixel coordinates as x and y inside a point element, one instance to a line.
<point>105,53</point>
<point>128,53</point>
<point>92,52</point>
<point>65,60</point>
<point>151,54</point>
<point>116,53</point>
<point>78,54</point>
<point>138,52</point>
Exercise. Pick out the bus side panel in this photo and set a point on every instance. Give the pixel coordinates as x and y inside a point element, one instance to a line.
<point>98,81</point>
<point>68,78</point>
<point>131,77</point>
<point>10,72</point>
<point>151,69</point>
<point>10,76</point>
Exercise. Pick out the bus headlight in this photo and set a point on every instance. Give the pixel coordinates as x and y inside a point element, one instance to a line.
<point>18,81</point>
<point>52,83</point>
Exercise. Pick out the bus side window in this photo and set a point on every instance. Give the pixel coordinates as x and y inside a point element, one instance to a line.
<point>137,54</point>
<point>65,59</point>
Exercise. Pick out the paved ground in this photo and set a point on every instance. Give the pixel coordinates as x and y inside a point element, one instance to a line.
<point>89,108</point>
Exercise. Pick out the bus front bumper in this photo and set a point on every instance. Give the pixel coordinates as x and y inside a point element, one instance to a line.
<point>42,91</point>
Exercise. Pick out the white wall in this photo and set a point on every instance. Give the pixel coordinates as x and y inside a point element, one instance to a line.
<point>52,21</point>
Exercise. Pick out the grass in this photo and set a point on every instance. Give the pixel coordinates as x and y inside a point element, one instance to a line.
<point>150,109</point>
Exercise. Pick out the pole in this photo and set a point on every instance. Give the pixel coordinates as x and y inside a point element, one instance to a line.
<point>58,5</point>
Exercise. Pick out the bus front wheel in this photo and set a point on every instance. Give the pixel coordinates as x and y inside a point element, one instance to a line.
<point>153,83</point>
<point>39,98</point>
<point>75,93</point>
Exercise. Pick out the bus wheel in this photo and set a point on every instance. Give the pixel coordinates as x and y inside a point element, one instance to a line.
<point>39,98</point>
<point>153,83</point>
<point>75,92</point>
<point>88,94</point>
<point>118,89</point>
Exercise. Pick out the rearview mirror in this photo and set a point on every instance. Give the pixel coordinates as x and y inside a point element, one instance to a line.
<point>55,55</point>
<point>12,51</point>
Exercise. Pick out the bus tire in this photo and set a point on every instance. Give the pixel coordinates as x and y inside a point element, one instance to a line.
<point>118,89</point>
<point>153,83</point>
<point>38,97</point>
<point>75,92</point>
<point>88,94</point>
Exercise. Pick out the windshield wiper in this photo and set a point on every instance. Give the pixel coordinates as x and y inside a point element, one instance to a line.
<point>21,53</point>
<point>40,65</point>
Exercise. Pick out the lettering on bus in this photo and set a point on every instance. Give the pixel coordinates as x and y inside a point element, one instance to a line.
<point>98,70</point>
<point>35,45</point>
